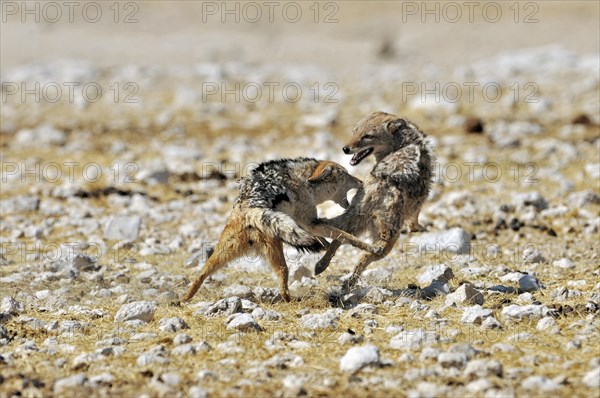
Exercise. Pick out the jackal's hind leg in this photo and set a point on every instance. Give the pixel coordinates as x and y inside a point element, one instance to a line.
<point>229,247</point>
<point>273,252</point>
<point>388,236</point>
<point>367,259</point>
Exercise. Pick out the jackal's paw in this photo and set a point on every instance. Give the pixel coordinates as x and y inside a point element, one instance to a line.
<point>349,284</point>
<point>186,299</point>
<point>321,266</point>
<point>286,297</point>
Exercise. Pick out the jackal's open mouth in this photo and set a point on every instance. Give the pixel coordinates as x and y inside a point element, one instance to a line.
<point>359,156</point>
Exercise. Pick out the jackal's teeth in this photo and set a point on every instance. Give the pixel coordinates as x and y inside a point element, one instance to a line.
<point>359,156</point>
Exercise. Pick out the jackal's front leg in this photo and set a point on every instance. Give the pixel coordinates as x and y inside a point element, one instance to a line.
<point>413,222</point>
<point>388,235</point>
<point>321,229</point>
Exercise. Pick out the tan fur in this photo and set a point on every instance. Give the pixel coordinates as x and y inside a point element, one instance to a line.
<point>239,239</point>
<point>251,230</point>
<point>393,192</point>
<point>324,167</point>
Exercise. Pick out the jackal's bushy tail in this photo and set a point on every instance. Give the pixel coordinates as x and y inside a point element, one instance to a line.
<point>282,226</point>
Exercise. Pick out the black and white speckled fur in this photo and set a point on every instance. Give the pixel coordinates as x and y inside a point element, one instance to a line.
<point>276,205</point>
<point>393,192</point>
<point>279,198</point>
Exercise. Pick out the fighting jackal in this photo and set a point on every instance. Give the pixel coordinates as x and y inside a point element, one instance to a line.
<point>276,205</point>
<point>393,192</point>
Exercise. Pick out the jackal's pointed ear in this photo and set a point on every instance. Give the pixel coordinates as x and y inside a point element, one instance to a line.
<point>395,126</point>
<point>321,172</point>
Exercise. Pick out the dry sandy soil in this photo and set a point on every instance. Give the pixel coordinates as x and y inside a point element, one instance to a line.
<point>121,144</point>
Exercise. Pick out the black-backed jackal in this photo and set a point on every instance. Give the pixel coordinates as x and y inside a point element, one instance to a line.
<point>392,193</point>
<point>276,205</point>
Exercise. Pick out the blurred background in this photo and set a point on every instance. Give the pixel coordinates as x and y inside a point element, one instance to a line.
<point>345,36</point>
<point>333,60</point>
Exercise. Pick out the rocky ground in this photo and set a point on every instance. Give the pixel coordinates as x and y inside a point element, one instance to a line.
<point>106,200</point>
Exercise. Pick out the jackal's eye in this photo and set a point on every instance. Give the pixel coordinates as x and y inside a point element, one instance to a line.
<point>368,137</point>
